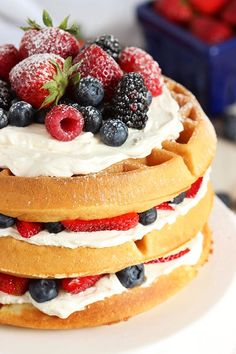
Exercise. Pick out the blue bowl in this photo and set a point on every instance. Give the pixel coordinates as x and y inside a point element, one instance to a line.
<point>209,71</point>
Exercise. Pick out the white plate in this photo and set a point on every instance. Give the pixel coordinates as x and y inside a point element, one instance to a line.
<point>199,319</point>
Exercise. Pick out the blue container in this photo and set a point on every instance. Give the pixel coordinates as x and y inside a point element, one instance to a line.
<point>208,71</point>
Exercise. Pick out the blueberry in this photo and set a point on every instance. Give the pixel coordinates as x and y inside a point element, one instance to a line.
<point>6,221</point>
<point>226,199</point>
<point>131,276</point>
<point>178,199</point>
<point>89,91</point>
<point>42,290</point>
<point>114,132</point>
<point>149,98</point>
<point>92,119</point>
<point>15,100</point>
<point>230,127</point>
<point>21,114</point>
<point>54,227</point>
<point>148,217</point>
<point>3,118</point>
<point>39,116</point>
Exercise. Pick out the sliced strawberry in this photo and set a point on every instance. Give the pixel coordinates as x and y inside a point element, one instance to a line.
<point>169,258</point>
<point>76,285</point>
<point>12,285</point>
<point>122,222</point>
<point>191,193</point>
<point>164,206</point>
<point>28,229</point>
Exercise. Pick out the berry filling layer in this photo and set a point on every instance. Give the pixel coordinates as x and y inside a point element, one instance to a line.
<point>114,232</point>
<point>61,298</point>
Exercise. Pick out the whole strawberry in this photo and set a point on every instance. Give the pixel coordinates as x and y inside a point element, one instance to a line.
<point>209,7</point>
<point>57,40</point>
<point>174,10</point>
<point>229,13</point>
<point>9,57</point>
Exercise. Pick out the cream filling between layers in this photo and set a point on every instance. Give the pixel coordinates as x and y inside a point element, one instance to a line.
<point>102,239</point>
<point>65,304</point>
<point>31,151</point>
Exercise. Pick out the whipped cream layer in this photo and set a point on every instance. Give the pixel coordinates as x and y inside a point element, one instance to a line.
<point>65,304</point>
<point>101,239</point>
<point>31,151</point>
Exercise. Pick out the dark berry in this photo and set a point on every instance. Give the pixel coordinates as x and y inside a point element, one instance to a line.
<point>110,44</point>
<point>106,110</point>
<point>226,199</point>
<point>6,221</point>
<point>178,199</point>
<point>230,127</point>
<point>21,114</point>
<point>15,100</point>
<point>39,116</point>
<point>148,217</point>
<point>3,118</point>
<point>114,132</point>
<point>92,119</point>
<point>131,276</point>
<point>130,102</point>
<point>89,91</point>
<point>5,95</point>
<point>54,227</point>
<point>149,98</point>
<point>69,102</point>
<point>42,290</point>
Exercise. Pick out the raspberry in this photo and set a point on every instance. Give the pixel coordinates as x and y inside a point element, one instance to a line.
<point>76,285</point>
<point>164,206</point>
<point>110,44</point>
<point>97,63</point>
<point>191,193</point>
<point>9,57</point>
<point>64,123</point>
<point>130,103</point>
<point>122,222</point>
<point>169,258</point>
<point>12,285</point>
<point>137,60</point>
<point>28,229</point>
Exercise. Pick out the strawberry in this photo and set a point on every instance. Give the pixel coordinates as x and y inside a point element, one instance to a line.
<point>229,13</point>
<point>210,30</point>
<point>38,40</point>
<point>41,79</point>
<point>28,229</point>
<point>209,7</point>
<point>137,60</point>
<point>164,206</point>
<point>174,10</point>
<point>192,192</point>
<point>94,61</point>
<point>122,222</point>
<point>169,258</point>
<point>12,285</point>
<point>76,285</point>
<point>9,57</point>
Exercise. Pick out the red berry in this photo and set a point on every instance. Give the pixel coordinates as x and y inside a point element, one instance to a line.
<point>9,57</point>
<point>169,258</point>
<point>76,285</point>
<point>28,229</point>
<point>164,206</point>
<point>208,7</point>
<point>13,285</point>
<point>122,222</point>
<point>134,59</point>
<point>48,40</point>
<point>174,10</point>
<point>97,63</point>
<point>191,193</point>
<point>64,122</point>
<point>229,13</point>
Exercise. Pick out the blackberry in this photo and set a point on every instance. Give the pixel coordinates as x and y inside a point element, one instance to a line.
<point>3,118</point>
<point>130,102</point>
<point>92,119</point>
<point>5,95</point>
<point>110,44</point>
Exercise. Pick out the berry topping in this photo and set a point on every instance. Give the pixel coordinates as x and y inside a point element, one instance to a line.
<point>148,217</point>
<point>110,44</point>
<point>42,290</point>
<point>40,115</point>
<point>149,98</point>
<point>9,57</point>
<point>21,114</point>
<point>64,123</point>
<point>133,59</point>
<point>89,91</point>
<point>5,95</point>
<point>192,192</point>
<point>174,10</point>
<point>92,119</point>
<point>178,199</point>
<point>3,118</point>
<point>131,276</point>
<point>54,227</point>
<point>208,7</point>
<point>28,229</point>
<point>164,206</point>
<point>76,285</point>
<point>169,258</point>
<point>122,222</point>
<point>13,285</point>
<point>6,221</point>
<point>130,103</point>
<point>94,61</point>
<point>114,132</point>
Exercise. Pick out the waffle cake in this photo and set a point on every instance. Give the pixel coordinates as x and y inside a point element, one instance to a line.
<point>105,167</point>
